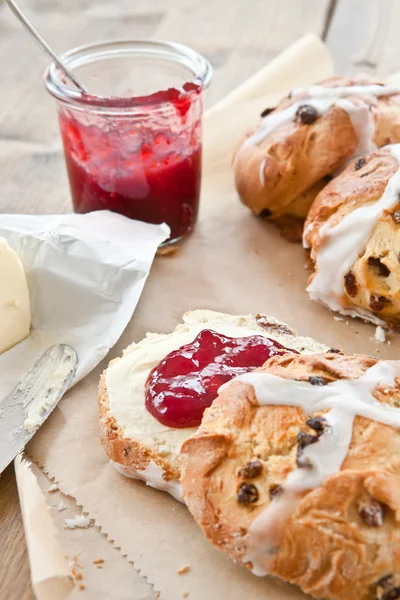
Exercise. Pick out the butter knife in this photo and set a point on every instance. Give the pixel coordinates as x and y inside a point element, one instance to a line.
<point>26,408</point>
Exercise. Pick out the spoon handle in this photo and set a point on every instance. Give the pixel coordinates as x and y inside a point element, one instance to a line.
<point>20,15</point>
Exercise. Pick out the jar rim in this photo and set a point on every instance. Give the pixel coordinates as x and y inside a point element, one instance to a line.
<point>198,65</point>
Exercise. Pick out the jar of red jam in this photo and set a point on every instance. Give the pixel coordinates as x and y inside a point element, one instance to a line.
<point>132,144</point>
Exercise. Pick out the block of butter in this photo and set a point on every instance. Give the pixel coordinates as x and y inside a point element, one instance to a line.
<point>15,308</point>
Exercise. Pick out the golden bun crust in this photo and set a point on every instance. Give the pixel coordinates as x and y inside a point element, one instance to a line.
<point>328,546</point>
<point>123,449</point>
<point>282,175</point>
<point>375,275</point>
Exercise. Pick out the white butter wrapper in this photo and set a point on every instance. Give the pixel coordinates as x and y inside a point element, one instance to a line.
<point>85,275</point>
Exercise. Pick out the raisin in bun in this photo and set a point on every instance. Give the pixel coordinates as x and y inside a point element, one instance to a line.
<point>338,537</point>
<point>282,165</point>
<point>353,230</point>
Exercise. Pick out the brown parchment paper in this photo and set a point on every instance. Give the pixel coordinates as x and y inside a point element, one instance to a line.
<point>41,538</point>
<point>101,573</point>
<point>236,263</point>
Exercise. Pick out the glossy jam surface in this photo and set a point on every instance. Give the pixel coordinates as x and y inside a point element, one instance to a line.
<point>186,381</point>
<point>146,166</point>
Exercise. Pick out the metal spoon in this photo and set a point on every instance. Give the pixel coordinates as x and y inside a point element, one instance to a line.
<point>20,15</point>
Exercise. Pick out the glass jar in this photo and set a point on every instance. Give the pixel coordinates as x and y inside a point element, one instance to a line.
<point>132,144</point>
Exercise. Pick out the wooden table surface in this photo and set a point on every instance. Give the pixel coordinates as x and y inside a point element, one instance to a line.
<point>238,37</point>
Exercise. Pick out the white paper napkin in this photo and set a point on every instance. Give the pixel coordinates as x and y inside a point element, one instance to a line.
<point>85,275</point>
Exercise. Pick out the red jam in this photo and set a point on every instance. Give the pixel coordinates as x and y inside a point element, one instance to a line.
<point>186,381</point>
<point>146,168</point>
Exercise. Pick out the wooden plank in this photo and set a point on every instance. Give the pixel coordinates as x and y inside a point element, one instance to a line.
<point>241,37</point>
<point>363,37</point>
<point>238,37</point>
<point>15,582</point>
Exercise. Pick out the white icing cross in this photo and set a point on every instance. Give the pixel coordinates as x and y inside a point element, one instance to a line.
<point>345,242</point>
<point>360,116</point>
<point>344,400</point>
<point>316,91</point>
<point>322,99</point>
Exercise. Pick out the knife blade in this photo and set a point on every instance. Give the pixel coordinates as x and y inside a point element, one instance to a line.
<point>26,408</point>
